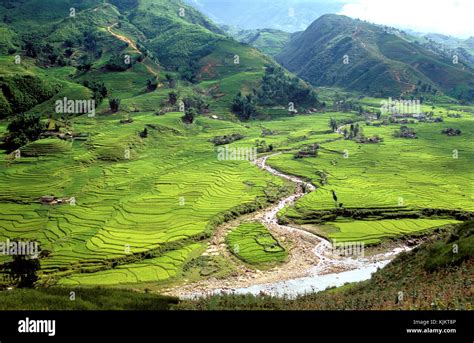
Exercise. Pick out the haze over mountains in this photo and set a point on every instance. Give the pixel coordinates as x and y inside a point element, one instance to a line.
<point>285,15</point>
<point>381,60</point>
<point>344,52</point>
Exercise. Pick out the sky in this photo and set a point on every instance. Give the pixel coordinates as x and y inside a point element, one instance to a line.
<point>449,17</point>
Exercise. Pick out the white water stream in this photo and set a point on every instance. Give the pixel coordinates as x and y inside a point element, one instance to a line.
<point>319,277</point>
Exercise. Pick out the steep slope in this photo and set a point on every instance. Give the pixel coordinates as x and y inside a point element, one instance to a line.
<point>340,51</point>
<point>268,41</point>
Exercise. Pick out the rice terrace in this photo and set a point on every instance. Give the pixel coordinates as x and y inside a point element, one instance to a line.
<point>161,159</point>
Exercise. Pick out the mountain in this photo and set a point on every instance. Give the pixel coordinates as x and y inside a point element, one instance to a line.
<point>284,15</point>
<point>268,41</point>
<point>450,46</point>
<point>160,36</point>
<point>356,55</point>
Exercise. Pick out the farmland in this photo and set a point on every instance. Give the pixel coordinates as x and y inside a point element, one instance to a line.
<point>143,218</point>
<point>254,244</point>
<point>136,195</point>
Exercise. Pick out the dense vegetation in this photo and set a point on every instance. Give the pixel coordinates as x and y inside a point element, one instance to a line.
<point>340,51</point>
<point>133,194</point>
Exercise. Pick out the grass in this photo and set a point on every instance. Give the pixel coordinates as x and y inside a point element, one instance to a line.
<point>398,175</point>
<point>254,244</point>
<point>373,231</point>
<point>85,299</point>
<point>121,203</point>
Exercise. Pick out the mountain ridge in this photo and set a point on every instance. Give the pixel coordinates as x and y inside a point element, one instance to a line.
<point>344,52</point>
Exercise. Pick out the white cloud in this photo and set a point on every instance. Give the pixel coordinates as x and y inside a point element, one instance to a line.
<point>450,17</point>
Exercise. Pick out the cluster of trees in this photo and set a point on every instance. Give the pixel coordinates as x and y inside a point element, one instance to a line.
<point>425,88</point>
<point>354,132</point>
<point>308,151</point>
<point>170,80</point>
<point>262,146</point>
<point>46,54</point>
<point>152,84</point>
<point>189,72</point>
<point>20,93</point>
<point>341,104</point>
<point>451,132</point>
<point>23,270</point>
<point>226,139</point>
<point>405,132</point>
<point>278,88</point>
<point>173,98</point>
<point>189,115</point>
<point>99,89</point>
<point>194,105</point>
<point>119,63</point>
<point>24,128</point>
<point>245,106</point>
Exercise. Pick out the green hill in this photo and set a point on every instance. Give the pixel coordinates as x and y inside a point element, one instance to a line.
<point>268,41</point>
<point>356,55</point>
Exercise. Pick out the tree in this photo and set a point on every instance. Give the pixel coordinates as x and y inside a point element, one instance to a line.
<point>23,129</point>
<point>334,196</point>
<point>99,89</point>
<point>144,133</point>
<point>24,270</point>
<point>333,124</point>
<point>152,84</point>
<point>172,98</point>
<point>171,81</point>
<point>244,106</point>
<point>197,102</point>
<point>114,104</point>
<point>189,115</point>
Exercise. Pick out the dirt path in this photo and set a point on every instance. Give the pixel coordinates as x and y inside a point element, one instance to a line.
<point>123,38</point>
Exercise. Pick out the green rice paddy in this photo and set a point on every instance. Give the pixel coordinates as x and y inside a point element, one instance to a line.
<point>373,231</point>
<point>145,207</point>
<point>254,244</point>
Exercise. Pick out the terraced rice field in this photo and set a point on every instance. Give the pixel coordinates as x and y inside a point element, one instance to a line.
<point>373,231</point>
<point>398,173</point>
<point>151,270</point>
<point>254,244</point>
<point>169,193</point>
<point>141,217</point>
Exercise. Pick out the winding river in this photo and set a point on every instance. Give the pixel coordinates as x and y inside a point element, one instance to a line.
<point>310,269</point>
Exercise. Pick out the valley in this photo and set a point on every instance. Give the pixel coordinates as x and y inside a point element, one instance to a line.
<point>136,197</point>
